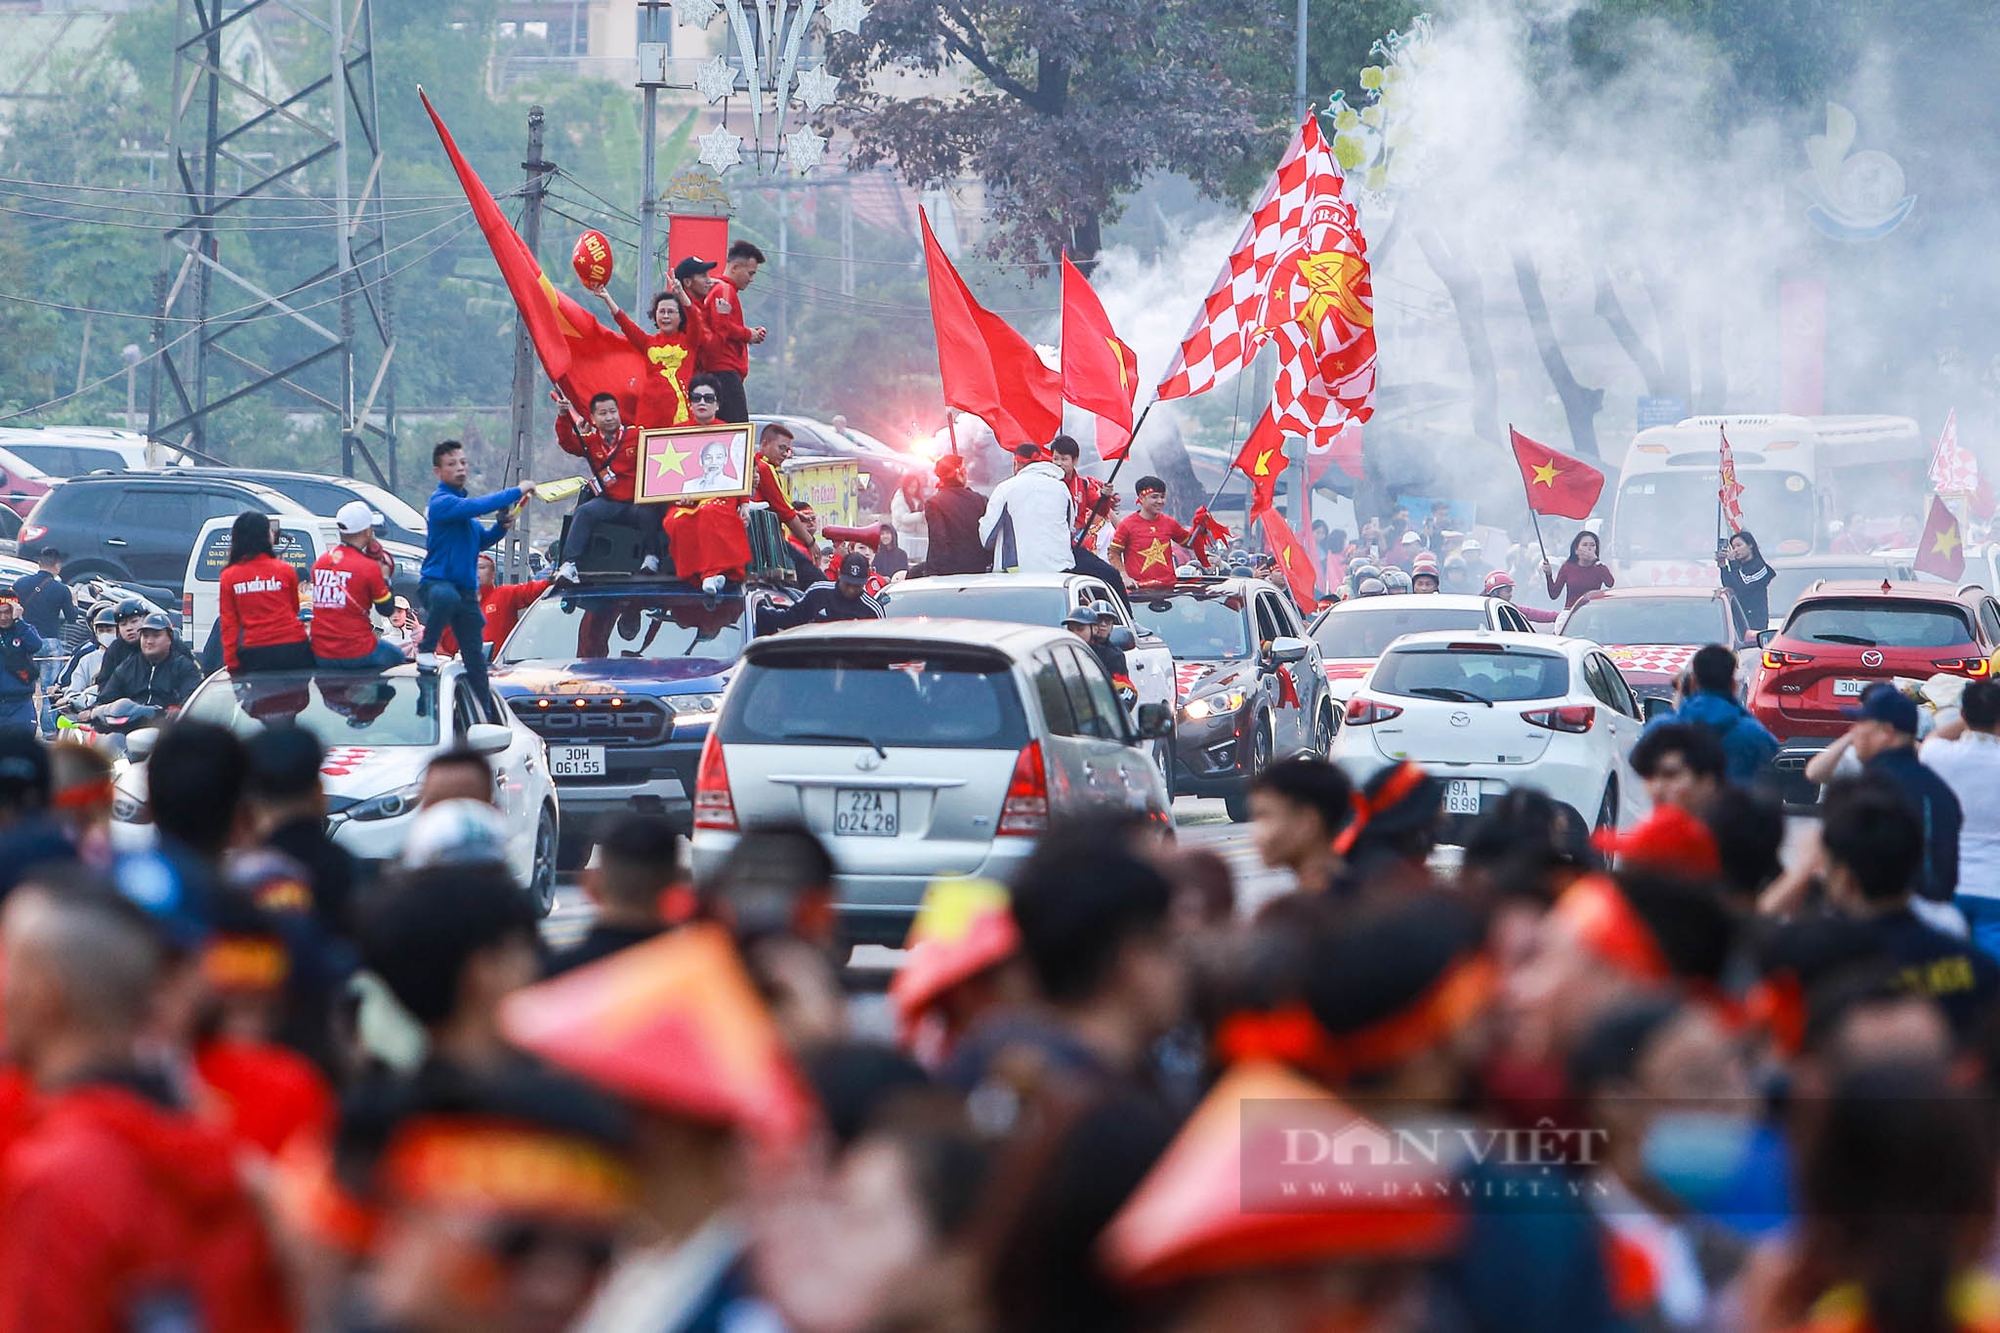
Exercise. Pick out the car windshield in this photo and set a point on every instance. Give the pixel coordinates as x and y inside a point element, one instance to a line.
<point>341,709</point>
<point>1880,624</point>
<point>656,626</point>
<point>1788,585</point>
<point>1365,631</point>
<point>921,696</point>
<point>991,601</point>
<point>1198,626</point>
<point>1472,675</point>
<point>1654,508</point>
<point>1685,620</point>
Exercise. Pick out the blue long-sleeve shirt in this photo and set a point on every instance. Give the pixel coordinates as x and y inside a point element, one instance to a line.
<point>1747,746</point>
<point>18,672</point>
<point>451,552</point>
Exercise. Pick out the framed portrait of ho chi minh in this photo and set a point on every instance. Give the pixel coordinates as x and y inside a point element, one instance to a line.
<point>696,463</point>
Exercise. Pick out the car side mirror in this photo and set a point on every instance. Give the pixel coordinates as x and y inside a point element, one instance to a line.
<point>1763,637</point>
<point>1653,706</point>
<point>139,744</point>
<point>1122,639</point>
<point>1155,721</point>
<point>1288,649</point>
<point>488,737</point>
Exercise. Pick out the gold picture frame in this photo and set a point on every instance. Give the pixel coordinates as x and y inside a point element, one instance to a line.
<point>681,463</point>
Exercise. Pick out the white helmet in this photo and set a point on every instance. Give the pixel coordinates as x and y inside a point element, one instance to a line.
<point>456,833</point>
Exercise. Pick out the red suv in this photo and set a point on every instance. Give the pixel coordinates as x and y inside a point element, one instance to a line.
<point>1841,637</point>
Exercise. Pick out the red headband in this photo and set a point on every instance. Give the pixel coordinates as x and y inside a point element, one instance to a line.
<point>1610,927</point>
<point>1406,779</point>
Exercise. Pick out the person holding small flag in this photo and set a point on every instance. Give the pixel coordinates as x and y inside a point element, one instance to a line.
<point>1748,577</point>
<point>1143,542</point>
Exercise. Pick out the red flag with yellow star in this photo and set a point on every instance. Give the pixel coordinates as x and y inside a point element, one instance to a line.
<point>1100,373</point>
<point>1941,550</point>
<point>1556,483</point>
<point>1293,558</point>
<point>579,354</point>
<point>1262,459</point>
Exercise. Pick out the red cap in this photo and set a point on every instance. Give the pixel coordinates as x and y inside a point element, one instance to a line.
<point>1424,564</point>
<point>1217,1202</point>
<point>1669,840</point>
<point>964,927</point>
<point>1499,579</point>
<point>674,1024</point>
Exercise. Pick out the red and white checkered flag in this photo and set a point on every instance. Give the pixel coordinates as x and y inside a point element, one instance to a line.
<point>1227,331</point>
<point>1729,491</point>
<point>1954,470</point>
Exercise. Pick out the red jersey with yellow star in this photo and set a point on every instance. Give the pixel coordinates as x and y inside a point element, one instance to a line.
<point>1147,548</point>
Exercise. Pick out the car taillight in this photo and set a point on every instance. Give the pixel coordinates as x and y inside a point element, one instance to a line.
<point>32,532</point>
<point>187,610</point>
<point>1978,668</point>
<point>1773,659</point>
<point>713,806</point>
<point>1026,809</point>
<point>1575,718</point>
<point>1365,712</point>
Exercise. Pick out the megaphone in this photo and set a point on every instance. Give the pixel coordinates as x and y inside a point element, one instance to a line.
<point>868,537</point>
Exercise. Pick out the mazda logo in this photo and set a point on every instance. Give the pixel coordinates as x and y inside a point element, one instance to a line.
<point>1461,719</point>
<point>1871,658</point>
<point>868,761</point>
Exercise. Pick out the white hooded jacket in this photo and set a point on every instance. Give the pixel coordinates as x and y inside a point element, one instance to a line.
<point>1028,521</point>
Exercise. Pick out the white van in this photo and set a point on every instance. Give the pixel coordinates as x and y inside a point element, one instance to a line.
<point>301,542</point>
<point>71,451</point>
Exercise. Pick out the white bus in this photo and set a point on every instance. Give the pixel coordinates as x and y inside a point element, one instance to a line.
<point>1798,474</point>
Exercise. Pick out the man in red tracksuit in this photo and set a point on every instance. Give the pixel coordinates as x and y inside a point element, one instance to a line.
<point>611,448</point>
<point>501,604</point>
<point>118,1209</point>
<point>726,354</point>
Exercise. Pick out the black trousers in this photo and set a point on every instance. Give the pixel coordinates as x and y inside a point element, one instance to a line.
<point>602,508</point>
<point>276,657</point>
<point>1090,562</point>
<point>729,390</point>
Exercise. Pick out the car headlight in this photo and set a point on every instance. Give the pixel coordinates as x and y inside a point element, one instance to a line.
<point>389,804</point>
<point>693,707</point>
<point>126,810</point>
<point>1213,705</point>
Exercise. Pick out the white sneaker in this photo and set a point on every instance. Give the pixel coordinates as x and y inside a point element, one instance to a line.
<point>566,573</point>
<point>713,584</point>
<point>650,565</point>
<point>427,661</point>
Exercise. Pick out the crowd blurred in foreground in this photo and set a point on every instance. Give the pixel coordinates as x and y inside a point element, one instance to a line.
<point>1647,1080</point>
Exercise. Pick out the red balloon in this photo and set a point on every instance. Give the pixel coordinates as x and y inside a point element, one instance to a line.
<point>592,259</point>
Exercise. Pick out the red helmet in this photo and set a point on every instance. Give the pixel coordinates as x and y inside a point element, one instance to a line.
<point>1497,580</point>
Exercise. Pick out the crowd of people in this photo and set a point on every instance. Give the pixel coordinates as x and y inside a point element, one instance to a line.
<point>1654,1078</point>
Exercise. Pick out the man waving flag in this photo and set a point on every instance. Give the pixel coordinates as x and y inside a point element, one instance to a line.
<point>1556,483</point>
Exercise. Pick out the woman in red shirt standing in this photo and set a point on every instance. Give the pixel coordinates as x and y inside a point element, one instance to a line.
<point>670,355</point>
<point>261,629</point>
<point>1581,573</point>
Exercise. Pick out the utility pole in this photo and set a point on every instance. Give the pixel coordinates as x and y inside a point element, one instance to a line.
<point>523,419</point>
<point>652,74</point>
<point>784,297</point>
<point>1299,66</point>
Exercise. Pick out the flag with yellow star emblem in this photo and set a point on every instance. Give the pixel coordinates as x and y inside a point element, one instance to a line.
<point>1100,373</point>
<point>1556,483</point>
<point>1941,550</point>
<point>1262,459</point>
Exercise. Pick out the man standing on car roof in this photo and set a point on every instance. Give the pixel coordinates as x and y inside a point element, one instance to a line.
<point>726,354</point>
<point>1094,502</point>
<point>451,550</point>
<point>501,603</point>
<point>347,583</point>
<point>19,643</point>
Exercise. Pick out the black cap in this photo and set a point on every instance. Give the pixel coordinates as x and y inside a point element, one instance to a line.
<point>49,553</point>
<point>285,762</point>
<point>157,620</point>
<point>130,607</point>
<point>853,568</point>
<point>691,268</point>
<point>24,769</point>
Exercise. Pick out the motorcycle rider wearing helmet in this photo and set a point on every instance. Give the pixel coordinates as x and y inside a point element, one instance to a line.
<point>79,671</point>
<point>1501,584</point>
<point>162,674</point>
<point>130,612</point>
<point>1112,659</point>
<point>1370,587</point>
<point>1396,580</point>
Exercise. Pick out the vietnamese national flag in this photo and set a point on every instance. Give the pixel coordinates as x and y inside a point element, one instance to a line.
<point>1941,550</point>
<point>579,354</point>
<point>1292,555</point>
<point>988,369</point>
<point>1100,373</point>
<point>1556,483</point>
<point>1262,459</point>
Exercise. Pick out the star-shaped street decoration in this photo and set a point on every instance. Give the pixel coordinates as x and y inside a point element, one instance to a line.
<point>815,87</point>
<point>804,149</point>
<point>721,150</point>
<point>846,15</point>
<point>1546,474</point>
<point>715,78</point>
<point>698,13</point>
